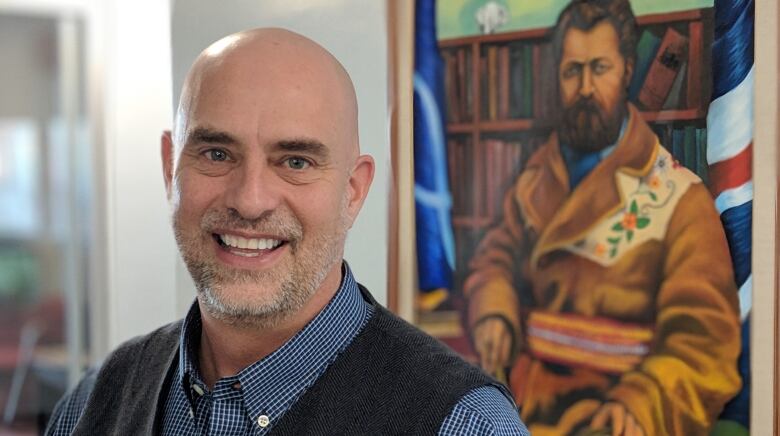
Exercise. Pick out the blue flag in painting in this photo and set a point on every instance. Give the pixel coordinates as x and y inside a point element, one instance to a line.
<point>435,242</point>
<point>729,156</point>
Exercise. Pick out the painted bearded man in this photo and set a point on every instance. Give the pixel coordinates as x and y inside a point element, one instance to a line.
<point>607,285</point>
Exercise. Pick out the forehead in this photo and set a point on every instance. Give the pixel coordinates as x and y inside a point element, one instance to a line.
<point>264,102</point>
<point>600,41</point>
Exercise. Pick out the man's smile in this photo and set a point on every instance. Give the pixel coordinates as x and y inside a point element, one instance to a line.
<point>247,246</point>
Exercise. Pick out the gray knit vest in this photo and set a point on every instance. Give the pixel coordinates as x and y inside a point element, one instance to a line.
<point>392,379</point>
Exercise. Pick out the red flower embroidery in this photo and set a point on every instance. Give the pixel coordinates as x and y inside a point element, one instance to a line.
<point>655,182</point>
<point>629,221</point>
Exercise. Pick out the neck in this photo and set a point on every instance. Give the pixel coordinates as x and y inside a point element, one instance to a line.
<point>227,348</point>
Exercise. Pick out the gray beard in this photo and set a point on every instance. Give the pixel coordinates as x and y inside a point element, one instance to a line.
<point>290,288</point>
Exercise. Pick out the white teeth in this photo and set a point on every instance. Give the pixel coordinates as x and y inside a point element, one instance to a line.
<point>250,244</point>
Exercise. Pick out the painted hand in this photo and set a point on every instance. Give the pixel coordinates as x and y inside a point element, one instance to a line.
<point>616,417</point>
<point>493,343</point>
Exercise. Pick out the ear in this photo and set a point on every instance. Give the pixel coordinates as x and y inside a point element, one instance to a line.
<point>359,182</point>
<point>167,152</point>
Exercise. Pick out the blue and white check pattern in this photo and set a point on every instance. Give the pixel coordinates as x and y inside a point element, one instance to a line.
<point>264,391</point>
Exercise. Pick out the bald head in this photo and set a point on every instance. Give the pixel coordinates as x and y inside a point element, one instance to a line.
<point>265,176</point>
<point>267,70</point>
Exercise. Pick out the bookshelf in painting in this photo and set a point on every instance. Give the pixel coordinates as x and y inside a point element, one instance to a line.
<point>499,92</point>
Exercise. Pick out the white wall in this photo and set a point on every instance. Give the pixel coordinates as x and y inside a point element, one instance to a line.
<point>355,31</point>
<point>142,254</point>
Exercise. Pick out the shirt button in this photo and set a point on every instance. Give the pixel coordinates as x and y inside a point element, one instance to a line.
<point>198,390</point>
<point>192,414</point>
<point>263,421</point>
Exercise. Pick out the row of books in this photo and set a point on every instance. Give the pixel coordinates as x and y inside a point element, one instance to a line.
<point>688,145</point>
<point>480,176</point>
<point>458,87</point>
<point>513,83</point>
<point>511,75</point>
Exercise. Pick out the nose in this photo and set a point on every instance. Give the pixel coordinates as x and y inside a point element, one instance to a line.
<point>586,86</point>
<point>253,189</point>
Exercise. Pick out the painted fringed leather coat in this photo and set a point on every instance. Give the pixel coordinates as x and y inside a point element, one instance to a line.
<point>622,290</point>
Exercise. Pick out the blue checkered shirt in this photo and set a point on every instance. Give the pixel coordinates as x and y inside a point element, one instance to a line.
<point>250,402</point>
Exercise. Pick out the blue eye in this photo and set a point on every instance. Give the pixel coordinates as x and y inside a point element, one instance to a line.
<point>297,163</point>
<point>600,68</point>
<point>216,155</point>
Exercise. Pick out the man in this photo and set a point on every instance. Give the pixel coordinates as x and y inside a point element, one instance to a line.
<point>607,285</point>
<point>265,176</point>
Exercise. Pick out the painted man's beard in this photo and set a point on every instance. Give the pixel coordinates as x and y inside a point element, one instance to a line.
<point>259,299</point>
<point>585,126</point>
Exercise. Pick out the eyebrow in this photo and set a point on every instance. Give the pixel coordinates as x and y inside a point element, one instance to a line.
<point>210,136</point>
<point>303,145</point>
<point>297,145</point>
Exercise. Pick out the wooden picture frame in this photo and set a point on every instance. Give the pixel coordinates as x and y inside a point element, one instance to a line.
<point>765,340</point>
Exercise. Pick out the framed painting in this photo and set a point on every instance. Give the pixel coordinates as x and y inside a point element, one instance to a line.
<point>580,201</point>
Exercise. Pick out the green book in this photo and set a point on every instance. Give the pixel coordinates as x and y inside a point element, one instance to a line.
<point>516,81</point>
<point>645,53</point>
<point>690,148</point>
<point>701,155</point>
<point>528,76</point>
<point>678,142</point>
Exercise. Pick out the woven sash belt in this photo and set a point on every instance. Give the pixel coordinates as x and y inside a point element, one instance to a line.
<point>601,344</point>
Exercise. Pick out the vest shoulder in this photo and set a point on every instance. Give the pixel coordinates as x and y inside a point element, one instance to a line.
<point>165,336</point>
<point>420,354</point>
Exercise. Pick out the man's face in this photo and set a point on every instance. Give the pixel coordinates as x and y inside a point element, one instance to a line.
<point>261,189</point>
<point>593,77</point>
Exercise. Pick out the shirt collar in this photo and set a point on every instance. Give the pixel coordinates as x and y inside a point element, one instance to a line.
<point>270,385</point>
<point>579,164</point>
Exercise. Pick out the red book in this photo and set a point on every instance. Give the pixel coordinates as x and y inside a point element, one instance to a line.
<point>483,87</point>
<point>461,84</point>
<point>452,165</point>
<point>477,182</point>
<point>450,90</point>
<point>492,66</point>
<point>487,193</point>
<point>670,57</point>
<point>537,77</point>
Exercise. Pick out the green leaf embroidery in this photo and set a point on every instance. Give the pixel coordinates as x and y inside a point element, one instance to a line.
<point>613,241</point>
<point>653,196</point>
<point>618,227</point>
<point>629,235</point>
<point>613,252</point>
<point>634,208</point>
<point>641,223</point>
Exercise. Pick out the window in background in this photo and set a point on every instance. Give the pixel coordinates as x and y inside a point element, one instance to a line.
<point>44,216</point>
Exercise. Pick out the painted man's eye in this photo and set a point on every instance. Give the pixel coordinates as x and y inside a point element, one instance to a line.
<point>216,155</point>
<point>572,71</point>
<point>600,68</point>
<point>297,163</point>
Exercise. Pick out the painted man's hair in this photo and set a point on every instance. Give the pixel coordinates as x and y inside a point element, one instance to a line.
<point>586,14</point>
